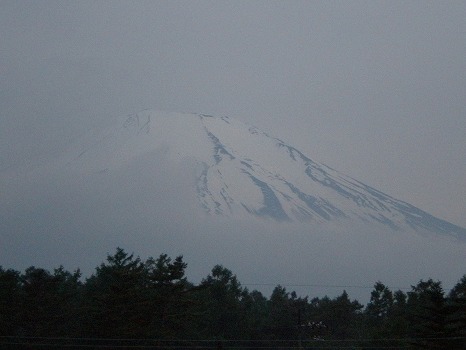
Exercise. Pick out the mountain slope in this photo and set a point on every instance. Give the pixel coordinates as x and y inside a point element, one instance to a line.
<point>242,171</point>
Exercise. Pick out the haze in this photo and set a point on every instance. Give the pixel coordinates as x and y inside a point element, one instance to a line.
<point>374,89</point>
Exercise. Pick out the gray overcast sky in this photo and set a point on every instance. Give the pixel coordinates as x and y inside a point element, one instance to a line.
<point>375,89</point>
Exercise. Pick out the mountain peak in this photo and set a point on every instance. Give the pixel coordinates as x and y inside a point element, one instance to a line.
<point>244,171</point>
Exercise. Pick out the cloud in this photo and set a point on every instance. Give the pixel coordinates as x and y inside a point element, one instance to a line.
<point>375,90</point>
<point>148,206</point>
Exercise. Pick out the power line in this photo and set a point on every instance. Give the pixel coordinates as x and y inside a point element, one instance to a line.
<point>227,340</point>
<point>48,345</point>
<point>316,285</point>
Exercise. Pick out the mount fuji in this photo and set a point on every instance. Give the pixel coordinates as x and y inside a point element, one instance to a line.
<point>243,172</point>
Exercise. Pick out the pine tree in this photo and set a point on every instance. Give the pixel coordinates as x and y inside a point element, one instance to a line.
<point>457,314</point>
<point>114,297</point>
<point>168,298</point>
<point>221,296</point>
<point>427,315</point>
<point>282,320</point>
<point>10,301</point>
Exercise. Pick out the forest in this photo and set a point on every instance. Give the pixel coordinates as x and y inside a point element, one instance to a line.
<point>130,303</point>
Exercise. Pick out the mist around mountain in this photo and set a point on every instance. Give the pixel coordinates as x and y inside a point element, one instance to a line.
<point>134,187</point>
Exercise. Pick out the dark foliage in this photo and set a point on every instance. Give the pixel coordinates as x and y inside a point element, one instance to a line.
<point>129,302</point>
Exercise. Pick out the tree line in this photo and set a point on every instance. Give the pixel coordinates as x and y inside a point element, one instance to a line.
<point>129,303</point>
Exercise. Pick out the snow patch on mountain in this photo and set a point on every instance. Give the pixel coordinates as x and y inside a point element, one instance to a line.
<point>243,171</point>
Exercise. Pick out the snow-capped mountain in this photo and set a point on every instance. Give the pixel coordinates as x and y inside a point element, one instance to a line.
<point>243,171</point>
